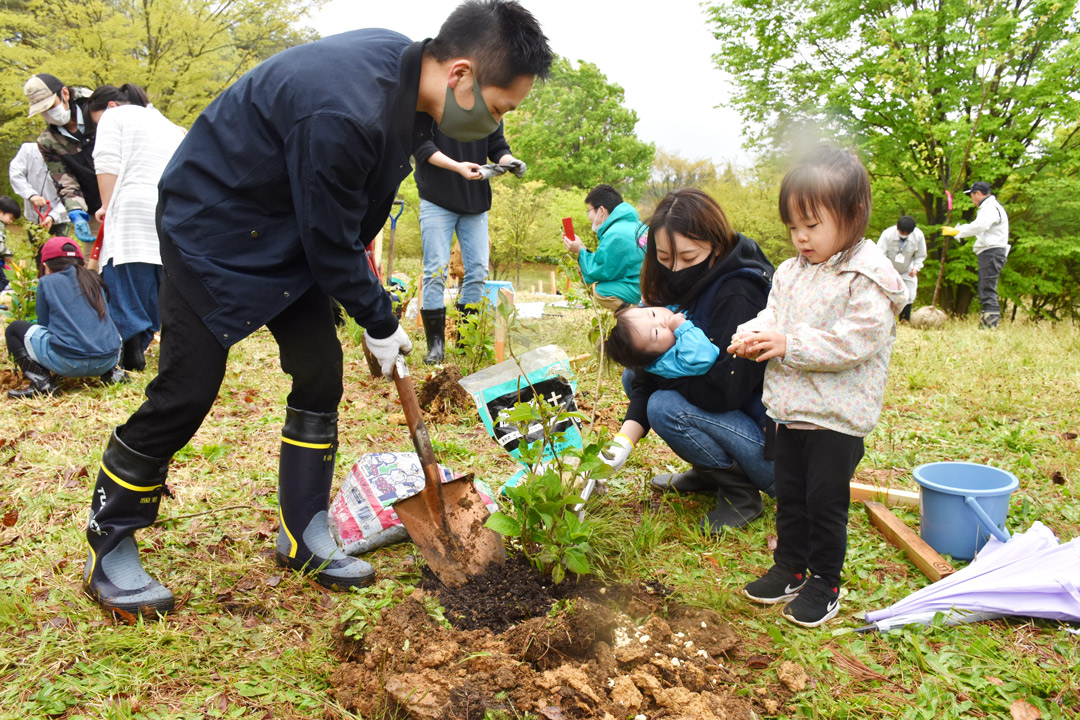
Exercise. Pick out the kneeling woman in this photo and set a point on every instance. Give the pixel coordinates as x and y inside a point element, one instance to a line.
<point>718,278</point>
<point>74,335</point>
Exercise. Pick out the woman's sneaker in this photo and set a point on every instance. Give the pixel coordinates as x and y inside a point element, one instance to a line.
<point>816,604</point>
<point>777,585</point>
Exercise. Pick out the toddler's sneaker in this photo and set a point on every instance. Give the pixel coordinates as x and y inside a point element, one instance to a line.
<point>777,585</point>
<point>816,604</point>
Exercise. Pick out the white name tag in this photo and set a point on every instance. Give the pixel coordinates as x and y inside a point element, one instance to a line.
<point>899,258</point>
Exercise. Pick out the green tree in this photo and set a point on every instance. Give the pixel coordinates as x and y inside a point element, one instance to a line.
<point>184,52</point>
<point>574,132</point>
<point>671,171</point>
<point>934,93</point>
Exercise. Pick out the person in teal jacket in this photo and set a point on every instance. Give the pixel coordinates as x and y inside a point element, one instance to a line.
<point>613,272</point>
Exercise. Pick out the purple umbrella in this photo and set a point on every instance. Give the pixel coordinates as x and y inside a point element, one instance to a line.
<point>1031,575</point>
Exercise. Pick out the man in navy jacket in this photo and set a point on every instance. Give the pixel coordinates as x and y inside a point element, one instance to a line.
<point>264,214</point>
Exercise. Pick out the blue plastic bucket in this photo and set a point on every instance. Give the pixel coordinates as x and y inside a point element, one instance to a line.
<point>962,504</point>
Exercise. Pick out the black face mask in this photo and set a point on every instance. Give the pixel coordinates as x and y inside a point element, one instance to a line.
<point>683,281</point>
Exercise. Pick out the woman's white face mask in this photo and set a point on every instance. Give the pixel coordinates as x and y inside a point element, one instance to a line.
<point>58,115</point>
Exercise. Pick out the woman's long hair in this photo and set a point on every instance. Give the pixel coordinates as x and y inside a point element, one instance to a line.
<point>693,214</point>
<point>89,282</point>
<point>126,94</point>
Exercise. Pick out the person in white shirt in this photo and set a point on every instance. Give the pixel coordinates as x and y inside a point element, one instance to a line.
<point>991,231</point>
<point>905,245</point>
<point>31,181</point>
<point>134,144</point>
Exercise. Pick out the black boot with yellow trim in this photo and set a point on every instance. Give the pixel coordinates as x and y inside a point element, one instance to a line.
<point>126,498</point>
<point>308,447</point>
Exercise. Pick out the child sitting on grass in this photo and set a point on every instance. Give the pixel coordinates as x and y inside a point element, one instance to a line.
<point>827,332</point>
<point>74,335</point>
<point>660,341</point>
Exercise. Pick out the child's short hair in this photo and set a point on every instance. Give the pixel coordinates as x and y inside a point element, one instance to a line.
<point>7,205</point>
<point>619,345</point>
<point>829,180</point>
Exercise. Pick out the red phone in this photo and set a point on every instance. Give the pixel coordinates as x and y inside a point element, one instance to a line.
<point>568,227</point>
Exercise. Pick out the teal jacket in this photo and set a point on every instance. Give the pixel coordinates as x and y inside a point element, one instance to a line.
<point>615,267</point>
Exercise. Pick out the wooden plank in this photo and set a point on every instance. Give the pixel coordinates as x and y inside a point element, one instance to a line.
<point>929,562</point>
<point>892,497</point>
<point>580,358</point>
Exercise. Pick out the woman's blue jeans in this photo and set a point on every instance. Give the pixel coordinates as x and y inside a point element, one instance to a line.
<point>38,341</point>
<point>437,228</point>
<point>709,439</point>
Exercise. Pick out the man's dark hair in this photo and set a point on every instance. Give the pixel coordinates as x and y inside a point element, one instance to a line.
<point>620,348</point>
<point>500,36</point>
<point>905,224</point>
<point>10,206</point>
<point>604,196</point>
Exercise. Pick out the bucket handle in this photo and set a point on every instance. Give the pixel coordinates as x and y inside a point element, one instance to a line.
<point>984,519</point>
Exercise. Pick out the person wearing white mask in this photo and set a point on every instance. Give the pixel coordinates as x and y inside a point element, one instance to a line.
<point>67,146</point>
<point>613,271</point>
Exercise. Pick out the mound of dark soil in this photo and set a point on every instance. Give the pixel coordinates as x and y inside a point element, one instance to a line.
<point>442,397</point>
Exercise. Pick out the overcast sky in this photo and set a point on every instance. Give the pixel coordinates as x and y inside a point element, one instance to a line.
<point>660,53</point>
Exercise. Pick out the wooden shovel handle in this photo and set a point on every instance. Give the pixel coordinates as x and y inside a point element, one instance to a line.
<point>421,440</point>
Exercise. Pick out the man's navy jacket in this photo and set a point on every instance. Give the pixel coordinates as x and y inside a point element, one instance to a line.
<point>285,179</point>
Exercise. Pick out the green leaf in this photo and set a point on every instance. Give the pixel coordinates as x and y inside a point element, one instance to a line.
<point>503,524</point>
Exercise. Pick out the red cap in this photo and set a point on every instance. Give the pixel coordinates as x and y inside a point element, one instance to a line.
<point>60,247</point>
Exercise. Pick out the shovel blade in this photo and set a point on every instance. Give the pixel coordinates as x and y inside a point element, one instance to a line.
<point>455,544</point>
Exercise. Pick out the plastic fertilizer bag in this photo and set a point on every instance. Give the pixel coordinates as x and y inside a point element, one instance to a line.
<point>502,385</point>
<point>362,516</point>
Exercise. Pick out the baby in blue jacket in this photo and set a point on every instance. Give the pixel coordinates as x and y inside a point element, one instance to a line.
<point>660,341</point>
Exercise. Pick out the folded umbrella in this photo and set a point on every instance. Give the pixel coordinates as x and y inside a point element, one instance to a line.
<point>1031,575</point>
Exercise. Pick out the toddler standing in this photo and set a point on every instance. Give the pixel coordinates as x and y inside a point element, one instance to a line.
<point>828,332</point>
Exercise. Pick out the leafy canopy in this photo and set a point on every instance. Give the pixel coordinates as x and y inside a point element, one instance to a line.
<point>575,132</point>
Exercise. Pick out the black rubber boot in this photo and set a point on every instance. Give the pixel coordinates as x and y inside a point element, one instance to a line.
<point>738,503</point>
<point>114,376</point>
<point>134,355</point>
<point>464,311</point>
<point>126,498</point>
<point>308,446</point>
<point>694,480</point>
<point>435,332</point>
<point>41,380</point>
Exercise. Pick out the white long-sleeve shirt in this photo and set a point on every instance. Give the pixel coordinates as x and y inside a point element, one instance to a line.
<point>134,143</point>
<point>29,176</point>
<point>990,226</point>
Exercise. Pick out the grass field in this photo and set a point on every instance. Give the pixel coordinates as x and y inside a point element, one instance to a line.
<point>249,640</point>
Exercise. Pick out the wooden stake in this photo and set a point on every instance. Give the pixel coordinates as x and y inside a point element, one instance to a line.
<point>892,497</point>
<point>554,290</point>
<point>500,324</point>
<point>419,294</point>
<point>895,531</point>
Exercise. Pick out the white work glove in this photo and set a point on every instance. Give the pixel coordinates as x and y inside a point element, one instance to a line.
<point>517,167</point>
<point>489,171</point>
<point>386,350</point>
<point>615,454</point>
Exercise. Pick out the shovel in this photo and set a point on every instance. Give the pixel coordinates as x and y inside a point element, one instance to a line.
<point>445,520</point>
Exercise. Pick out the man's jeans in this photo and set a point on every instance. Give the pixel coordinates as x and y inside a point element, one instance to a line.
<point>991,261</point>
<point>437,226</point>
<point>709,439</point>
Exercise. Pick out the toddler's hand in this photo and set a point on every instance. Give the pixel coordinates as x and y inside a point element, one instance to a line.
<point>759,346</point>
<point>675,321</point>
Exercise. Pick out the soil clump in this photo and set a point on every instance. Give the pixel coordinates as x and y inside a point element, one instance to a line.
<point>587,658</point>
<point>442,397</point>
